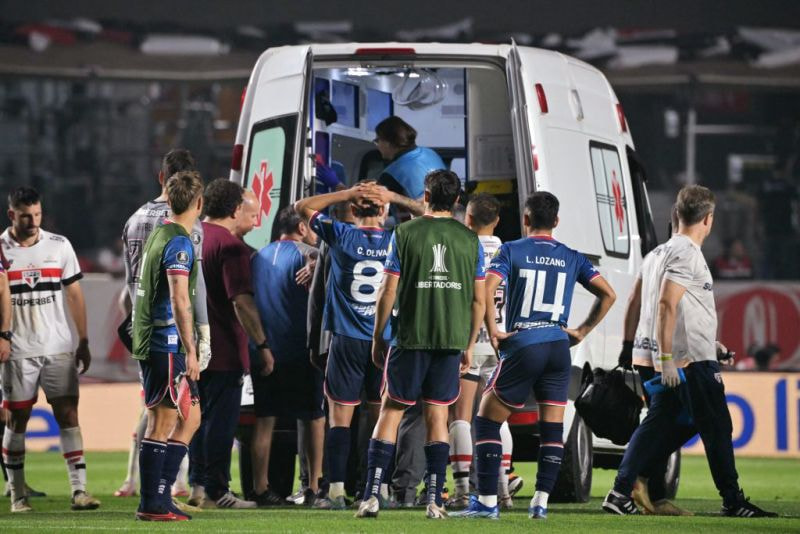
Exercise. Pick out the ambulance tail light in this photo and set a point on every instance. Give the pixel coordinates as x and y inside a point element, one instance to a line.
<point>623,124</point>
<point>384,51</point>
<point>236,157</point>
<point>542,98</point>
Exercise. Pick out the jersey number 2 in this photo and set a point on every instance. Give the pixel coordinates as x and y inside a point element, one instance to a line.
<point>538,279</point>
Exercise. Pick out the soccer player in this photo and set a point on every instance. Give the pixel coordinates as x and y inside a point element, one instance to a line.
<point>44,273</point>
<point>357,256</point>
<point>685,325</point>
<point>134,235</point>
<point>435,269</point>
<point>540,275</point>
<point>164,345</point>
<point>482,216</point>
<point>294,389</point>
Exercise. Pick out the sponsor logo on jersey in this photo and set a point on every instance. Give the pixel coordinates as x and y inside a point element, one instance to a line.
<point>439,252</point>
<point>31,277</point>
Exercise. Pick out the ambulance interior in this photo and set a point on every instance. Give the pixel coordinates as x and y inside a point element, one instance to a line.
<point>461,113</point>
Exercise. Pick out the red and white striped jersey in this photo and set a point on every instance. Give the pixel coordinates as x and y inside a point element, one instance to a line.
<point>36,275</point>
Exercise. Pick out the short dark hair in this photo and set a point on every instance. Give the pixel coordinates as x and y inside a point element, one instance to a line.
<point>542,208</point>
<point>177,160</point>
<point>183,188</point>
<point>23,196</point>
<point>694,203</point>
<point>397,132</point>
<point>444,188</point>
<point>288,220</point>
<point>485,209</point>
<point>221,198</point>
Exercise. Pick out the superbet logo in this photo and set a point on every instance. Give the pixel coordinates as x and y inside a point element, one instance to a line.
<point>262,185</point>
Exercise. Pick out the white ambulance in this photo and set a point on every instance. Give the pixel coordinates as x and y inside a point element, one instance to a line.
<point>509,120</point>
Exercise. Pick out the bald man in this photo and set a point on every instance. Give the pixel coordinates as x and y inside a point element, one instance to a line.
<point>248,217</point>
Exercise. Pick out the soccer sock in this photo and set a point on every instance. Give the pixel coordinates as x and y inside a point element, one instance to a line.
<point>133,455</point>
<point>539,499</point>
<point>387,478</point>
<point>379,456</point>
<point>505,464</point>
<point>2,461</point>
<point>151,461</point>
<point>175,453</point>
<point>460,455</point>
<point>488,455</point>
<point>183,471</point>
<point>72,449</point>
<point>436,453</point>
<point>337,450</point>
<point>551,450</point>
<point>14,458</point>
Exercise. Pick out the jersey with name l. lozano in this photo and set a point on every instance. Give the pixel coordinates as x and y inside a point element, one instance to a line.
<point>540,275</point>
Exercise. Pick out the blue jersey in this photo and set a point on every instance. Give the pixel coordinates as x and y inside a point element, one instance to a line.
<point>177,259</point>
<point>357,257</point>
<point>282,303</point>
<point>540,275</point>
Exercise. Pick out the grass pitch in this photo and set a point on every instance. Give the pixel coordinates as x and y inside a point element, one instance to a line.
<point>772,484</point>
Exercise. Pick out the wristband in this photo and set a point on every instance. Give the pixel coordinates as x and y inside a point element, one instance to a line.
<point>263,345</point>
<point>665,357</point>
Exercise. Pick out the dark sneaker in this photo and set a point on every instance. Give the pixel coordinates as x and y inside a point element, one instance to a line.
<point>268,498</point>
<point>744,508</point>
<point>616,503</point>
<point>309,497</point>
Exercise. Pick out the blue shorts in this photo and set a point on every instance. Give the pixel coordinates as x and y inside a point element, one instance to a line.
<point>293,389</point>
<point>543,367</point>
<point>349,370</point>
<point>159,372</point>
<point>433,375</point>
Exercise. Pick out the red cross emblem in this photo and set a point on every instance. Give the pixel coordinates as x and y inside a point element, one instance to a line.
<point>619,210</point>
<point>262,185</point>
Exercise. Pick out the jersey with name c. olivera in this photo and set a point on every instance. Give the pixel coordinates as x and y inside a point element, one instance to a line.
<point>168,251</point>
<point>540,275</point>
<point>438,260</point>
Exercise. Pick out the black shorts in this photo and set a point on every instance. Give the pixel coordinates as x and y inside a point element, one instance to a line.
<point>294,389</point>
<point>159,372</point>
<point>433,375</point>
<point>349,370</point>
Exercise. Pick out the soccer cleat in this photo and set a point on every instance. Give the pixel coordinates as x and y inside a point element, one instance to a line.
<point>81,500</point>
<point>744,508</point>
<point>434,511</point>
<point>180,489</point>
<point>458,502</point>
<point>338,503</point>
<point>268,498</point>
<point>160,516</point>
<point>21,505</point>
<point>619,504</point>
<point>198,497</point>
<point>127,489</point>
<point>368,508</point>
<point>229,500</point>
<point>477,509</point>
<point>537,512</point>
<point>186,508</point>
<point>29,491</point>
<point>515,483</point>
<point>641,497</point>
<point>666,507</point>
<point>506,503</point>
<point>298,497</point>
<point>188,395</point>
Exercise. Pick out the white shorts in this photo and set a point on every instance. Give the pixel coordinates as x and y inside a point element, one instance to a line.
<point>57,374</point>
<point>483,365</point>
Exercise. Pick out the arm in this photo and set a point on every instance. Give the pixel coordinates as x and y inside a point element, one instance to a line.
<point>182,310</point>
<point>605,298</point>
<point>77,309</point>
<point>383,309</point>
<point>199,305</point>
<point>670,296</point>
<point>382,196</point>
<point>5,316</point>
<point>247,313</point>
<point>478,313</point>
<point>630,323</point>
<point>308,206</point>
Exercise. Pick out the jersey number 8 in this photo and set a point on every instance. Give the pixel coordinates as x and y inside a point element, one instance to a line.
<point>360,280</point>
<point>536,302</point>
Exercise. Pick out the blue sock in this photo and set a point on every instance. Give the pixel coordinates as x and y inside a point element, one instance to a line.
<point>436,455</point>
<point>551,450</point>
<point>488,454</point>
<point>172,463</point>
<point>337,449</point>
<point>379,457</point>
<point>151,461</point>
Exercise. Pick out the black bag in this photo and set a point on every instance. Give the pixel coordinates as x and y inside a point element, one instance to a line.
<point>608,405</point>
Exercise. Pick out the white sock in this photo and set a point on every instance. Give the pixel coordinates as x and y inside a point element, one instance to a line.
<point>540,499</point>
<point>14,458</point>
<point>488,500</point>
<point>133,454</point>
<point>183,473</point>
<point>385,490</point>
<point>505,464</point>
<point>460,455</point>
<point>72,449</point>
<point>337,490</point>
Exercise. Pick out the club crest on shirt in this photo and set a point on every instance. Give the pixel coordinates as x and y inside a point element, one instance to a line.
<point>183,257</point>
<point>718,377</point>
<point>31,277</point>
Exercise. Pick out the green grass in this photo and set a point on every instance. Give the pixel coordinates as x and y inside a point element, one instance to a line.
<point>773,484</point>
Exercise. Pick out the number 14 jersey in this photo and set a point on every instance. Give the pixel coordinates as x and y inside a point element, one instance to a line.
<point>540,275</point>
<point>357,258</point>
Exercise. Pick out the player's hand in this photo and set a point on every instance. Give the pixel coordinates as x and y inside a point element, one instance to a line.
<point>267,362</point>
<point>192,366</point>
<point>724,356</point>
<point>576,335</point>
<point>326,175</point>
<point>318,360</point>
<point>498,337</point>
<point>83,358</point>
<point>306,273</point>
<point>669,374</point>
<point>466,361</point>
<point>378,352</point>
<point>376,194</point>
<point>625,359</point>
<point>5,350</point>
